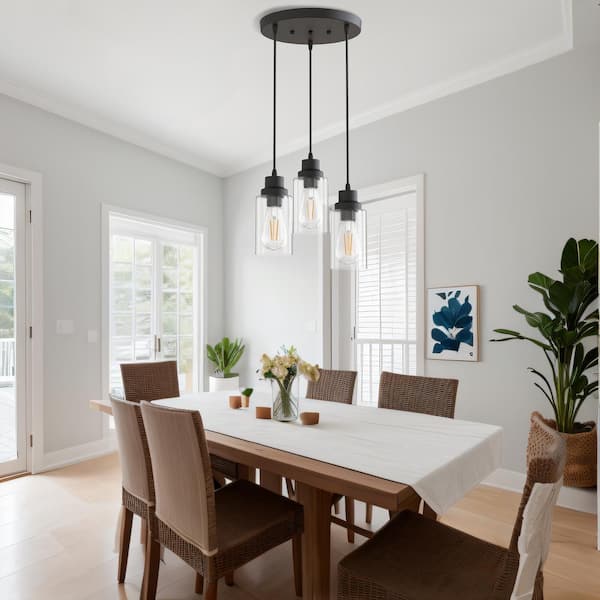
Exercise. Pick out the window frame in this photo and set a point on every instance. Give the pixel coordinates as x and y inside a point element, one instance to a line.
<point>342,329</point>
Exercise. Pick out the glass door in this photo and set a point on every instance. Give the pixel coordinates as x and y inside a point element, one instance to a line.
<point>176,316</point>
<point>154,298</point>
<point>13,326</point>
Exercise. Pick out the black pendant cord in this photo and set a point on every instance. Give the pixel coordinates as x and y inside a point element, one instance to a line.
<point>346,27</point>
<point>310,47</point>
<point>274,94</point>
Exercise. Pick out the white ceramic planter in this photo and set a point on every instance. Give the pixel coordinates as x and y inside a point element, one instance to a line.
<point>224,384</point>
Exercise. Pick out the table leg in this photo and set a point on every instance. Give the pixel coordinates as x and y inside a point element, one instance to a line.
<point>316,545</point>
<point>271,481</point>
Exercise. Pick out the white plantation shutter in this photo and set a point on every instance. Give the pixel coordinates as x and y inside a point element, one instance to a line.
<point>386,295</point>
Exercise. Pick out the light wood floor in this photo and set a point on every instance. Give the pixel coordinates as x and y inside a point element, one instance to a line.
<point>57,540</point>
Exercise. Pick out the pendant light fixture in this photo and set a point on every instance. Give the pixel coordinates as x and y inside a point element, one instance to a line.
<point>348,219</point>
<point>309,27</point>
<point>273,225</point>
<point>310,187</point>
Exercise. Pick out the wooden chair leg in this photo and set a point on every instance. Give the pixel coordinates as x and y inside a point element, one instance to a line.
<point>229,578</point>
<point>211,591</point>
<point>297,559</point>
<point>368,513</point>
<point>349,502</point>
<point>429,512</point>
<point>143,531</point>
<point>151,566</point>
<point>336,508</point>
<point>124,539</point>
<point>199,587</point>
<point>291,492</point>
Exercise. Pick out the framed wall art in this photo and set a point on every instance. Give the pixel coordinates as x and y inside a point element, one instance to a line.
<point>453,323</point>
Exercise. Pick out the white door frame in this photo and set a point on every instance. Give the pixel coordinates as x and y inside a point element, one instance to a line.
<point>107,210</point>
<point>34,267</point>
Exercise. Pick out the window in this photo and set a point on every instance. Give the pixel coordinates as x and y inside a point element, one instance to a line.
<point>154,299</point>
<point>388,295</point>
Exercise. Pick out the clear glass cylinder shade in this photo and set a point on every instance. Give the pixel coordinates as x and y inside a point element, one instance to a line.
<point>273,228</point>
<point>348,240</point>
<point>310,206</point>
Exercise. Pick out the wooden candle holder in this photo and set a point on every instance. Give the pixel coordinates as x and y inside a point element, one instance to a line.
<point>235,402</point>
<point>309,418</point>
<point>263,412</point>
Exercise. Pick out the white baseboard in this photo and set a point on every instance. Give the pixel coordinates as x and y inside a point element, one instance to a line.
<point>580,499</point>
<point>75,454</point>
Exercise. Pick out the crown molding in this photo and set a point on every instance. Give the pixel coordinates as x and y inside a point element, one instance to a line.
<point>105,125</point>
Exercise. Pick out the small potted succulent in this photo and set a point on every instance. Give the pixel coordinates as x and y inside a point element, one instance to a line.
<point>246,393</point>
<point>567,334</point>
<point>224,356</point>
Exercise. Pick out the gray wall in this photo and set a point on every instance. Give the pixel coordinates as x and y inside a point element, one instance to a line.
<point>83,169</point>
<point>511,172</point>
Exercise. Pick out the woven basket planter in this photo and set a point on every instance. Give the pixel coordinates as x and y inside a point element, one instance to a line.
<point>580,468</point>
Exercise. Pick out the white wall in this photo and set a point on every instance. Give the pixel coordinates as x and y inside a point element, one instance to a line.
<point>83,169</point>
<point>511,171</point>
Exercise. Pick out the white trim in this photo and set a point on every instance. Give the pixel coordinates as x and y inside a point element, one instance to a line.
<point>77,454</point>
<point>560,44</point>
<point>583,500</point>
<point>35,309</point>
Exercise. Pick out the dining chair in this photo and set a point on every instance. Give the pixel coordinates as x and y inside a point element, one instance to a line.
<point>150,380</point>
<point>159,380</point>
<point>333,386</point>
<point>425,395</point>
<point>215,532</point>
<point>137,483</point>
<point>419,558</point>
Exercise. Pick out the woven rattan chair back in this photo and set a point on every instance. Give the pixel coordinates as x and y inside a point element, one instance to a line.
<point>150,380</point>
<point>136,468</point>
<point>333,386</point>
<point>426,395</point>
<point>546,455</point>
<point>185,496</point>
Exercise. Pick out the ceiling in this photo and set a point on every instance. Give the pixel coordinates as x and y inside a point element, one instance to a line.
<point>191,79</point>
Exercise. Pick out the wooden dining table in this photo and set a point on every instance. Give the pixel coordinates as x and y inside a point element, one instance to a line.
<point>304,454</point>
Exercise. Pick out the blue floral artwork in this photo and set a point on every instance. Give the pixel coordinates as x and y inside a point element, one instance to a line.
<point>453,323</point>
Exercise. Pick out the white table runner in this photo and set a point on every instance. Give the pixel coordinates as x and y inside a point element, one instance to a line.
<point>441,459</point>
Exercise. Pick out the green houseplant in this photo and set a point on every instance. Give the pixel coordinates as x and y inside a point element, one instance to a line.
<point>567,334</point>
<point>224,355</point>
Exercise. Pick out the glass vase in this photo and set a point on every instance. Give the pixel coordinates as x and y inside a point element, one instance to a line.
<point>285,402</point>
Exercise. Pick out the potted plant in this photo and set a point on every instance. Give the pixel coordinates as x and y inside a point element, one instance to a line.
<point>246,393</point>
<point>571,319</point>
<point>225,355</point>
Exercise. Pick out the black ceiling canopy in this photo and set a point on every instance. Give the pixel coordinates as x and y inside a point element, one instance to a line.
<point>303,25</point>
